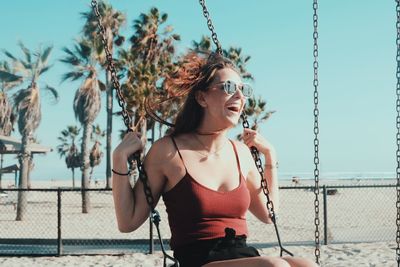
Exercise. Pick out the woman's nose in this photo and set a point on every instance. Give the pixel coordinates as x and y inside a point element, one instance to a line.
<point>238,94</point>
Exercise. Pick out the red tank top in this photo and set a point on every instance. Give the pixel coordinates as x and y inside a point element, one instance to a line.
<point>196,212</point>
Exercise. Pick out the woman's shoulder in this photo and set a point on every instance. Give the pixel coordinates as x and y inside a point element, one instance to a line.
<point>244,154</point>
<point>161,147</point>
<point>164,147</point>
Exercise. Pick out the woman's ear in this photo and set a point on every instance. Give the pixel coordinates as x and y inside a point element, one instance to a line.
<point>199,96</point>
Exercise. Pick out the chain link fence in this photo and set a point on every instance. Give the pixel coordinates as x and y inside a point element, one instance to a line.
<point>55,225</point>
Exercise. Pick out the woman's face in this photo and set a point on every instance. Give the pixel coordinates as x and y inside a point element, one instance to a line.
<point>221,108</point>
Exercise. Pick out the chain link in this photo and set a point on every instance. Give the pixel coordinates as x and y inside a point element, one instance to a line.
<point>211,26</point>
<point>155,217</point>
<point>316,132</point>
<point>398,131</point>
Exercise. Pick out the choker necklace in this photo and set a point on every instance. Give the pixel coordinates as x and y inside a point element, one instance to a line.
<point>216,152</point>
<point>209,133</point>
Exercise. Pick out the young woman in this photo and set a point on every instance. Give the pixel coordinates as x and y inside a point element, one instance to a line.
<point>207,181</point>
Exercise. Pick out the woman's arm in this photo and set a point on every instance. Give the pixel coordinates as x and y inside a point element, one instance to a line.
<point>258,199</point>
<point>131,207</point>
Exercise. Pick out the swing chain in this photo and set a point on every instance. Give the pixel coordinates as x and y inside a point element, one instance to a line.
<point>398,132</point>
<point>211,26</point>
<point>316,132</point>
<point>155,217</point>
<point>254,151</point>
<point>111,66</point>
<point>264,184</point>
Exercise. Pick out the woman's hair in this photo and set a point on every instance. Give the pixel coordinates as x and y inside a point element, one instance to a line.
<point>195,74</point>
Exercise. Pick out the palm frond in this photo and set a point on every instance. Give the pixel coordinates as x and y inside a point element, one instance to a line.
<point>53,92</point>
<point>8,54</point>
<point>43,70</point>
<point>26,51</point>
<point>9,77</point>
<point>84,49</point>
<point>102,86</point>
<point>68,51</point>
<point>46,54</point>
<point>73,75</point>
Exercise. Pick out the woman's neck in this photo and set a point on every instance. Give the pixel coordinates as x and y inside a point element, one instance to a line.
<point>211,140</point>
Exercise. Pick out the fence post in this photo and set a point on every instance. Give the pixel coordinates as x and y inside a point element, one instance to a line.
<point>59,240</point>
<point>151,239</point>
<point>325,215</point>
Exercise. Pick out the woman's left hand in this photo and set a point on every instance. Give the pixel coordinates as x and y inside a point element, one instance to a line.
<point>253,138</point>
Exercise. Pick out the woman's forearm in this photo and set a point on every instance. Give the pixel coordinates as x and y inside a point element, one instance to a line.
<point>271,175</point>
<point>124,199</point>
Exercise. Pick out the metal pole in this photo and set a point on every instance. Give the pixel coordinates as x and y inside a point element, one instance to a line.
<point>325,215</point>
<point>16,178</point>
<point>151,239</point>
<point>59,240</point>
<point>1,167</point>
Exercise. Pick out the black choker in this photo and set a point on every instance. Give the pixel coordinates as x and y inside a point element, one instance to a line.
<point>208,133</point>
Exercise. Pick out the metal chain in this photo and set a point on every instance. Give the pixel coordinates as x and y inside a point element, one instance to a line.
<point>264,186</point>
<point>211,26</point>
<point>316,132</point>
<point>398,132</point>
<point>111,66</point>
<point>155,216</point>
<point>254,151</point>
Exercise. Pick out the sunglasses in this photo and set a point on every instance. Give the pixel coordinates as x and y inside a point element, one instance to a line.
<point>231,87</point>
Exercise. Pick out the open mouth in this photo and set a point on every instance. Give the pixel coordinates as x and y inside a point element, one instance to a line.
<point>234,109</point>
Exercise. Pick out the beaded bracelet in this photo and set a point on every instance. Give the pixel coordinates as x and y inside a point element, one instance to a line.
<point>122,174</point>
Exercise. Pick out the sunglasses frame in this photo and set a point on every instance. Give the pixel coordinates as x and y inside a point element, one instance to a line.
<point>226,87</point>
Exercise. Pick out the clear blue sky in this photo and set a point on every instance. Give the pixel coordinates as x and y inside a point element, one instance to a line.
<point>357,72</point>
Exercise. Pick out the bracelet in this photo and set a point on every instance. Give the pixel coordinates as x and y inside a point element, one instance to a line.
<point>122,174</point>
<point>271,166</point>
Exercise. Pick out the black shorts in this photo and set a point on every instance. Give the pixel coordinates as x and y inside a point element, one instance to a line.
<point>225,248</point>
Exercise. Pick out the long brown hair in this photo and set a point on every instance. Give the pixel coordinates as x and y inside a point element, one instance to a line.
<point>195,74</point>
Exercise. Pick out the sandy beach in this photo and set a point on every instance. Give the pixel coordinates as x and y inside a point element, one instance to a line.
<point>361,227</point>
<point>343,255</point>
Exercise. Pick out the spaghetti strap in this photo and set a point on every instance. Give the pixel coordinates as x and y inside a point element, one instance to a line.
<point>179,153</point>
<point>237,156</point>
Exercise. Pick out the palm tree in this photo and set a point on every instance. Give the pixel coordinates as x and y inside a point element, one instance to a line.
<point>147,62</point>
<point>232,53</point>
<point>27,107</point>
<point>86,102</point>
<point>235,54</point>
<point>69,150</point>
<point>112,20</point>
<point>8,80</point>
<point>204,45</point>
<point>95,153</point>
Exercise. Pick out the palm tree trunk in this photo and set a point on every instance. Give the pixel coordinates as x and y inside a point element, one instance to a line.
<point>143,131</point>
<point>109,128</point>
<point>87,129</point>
<point>73,177</point>
<point>23,179</point>
<point>30,162</point>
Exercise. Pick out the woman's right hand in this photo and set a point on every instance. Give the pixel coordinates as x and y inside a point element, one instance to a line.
<point>130,144</point>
